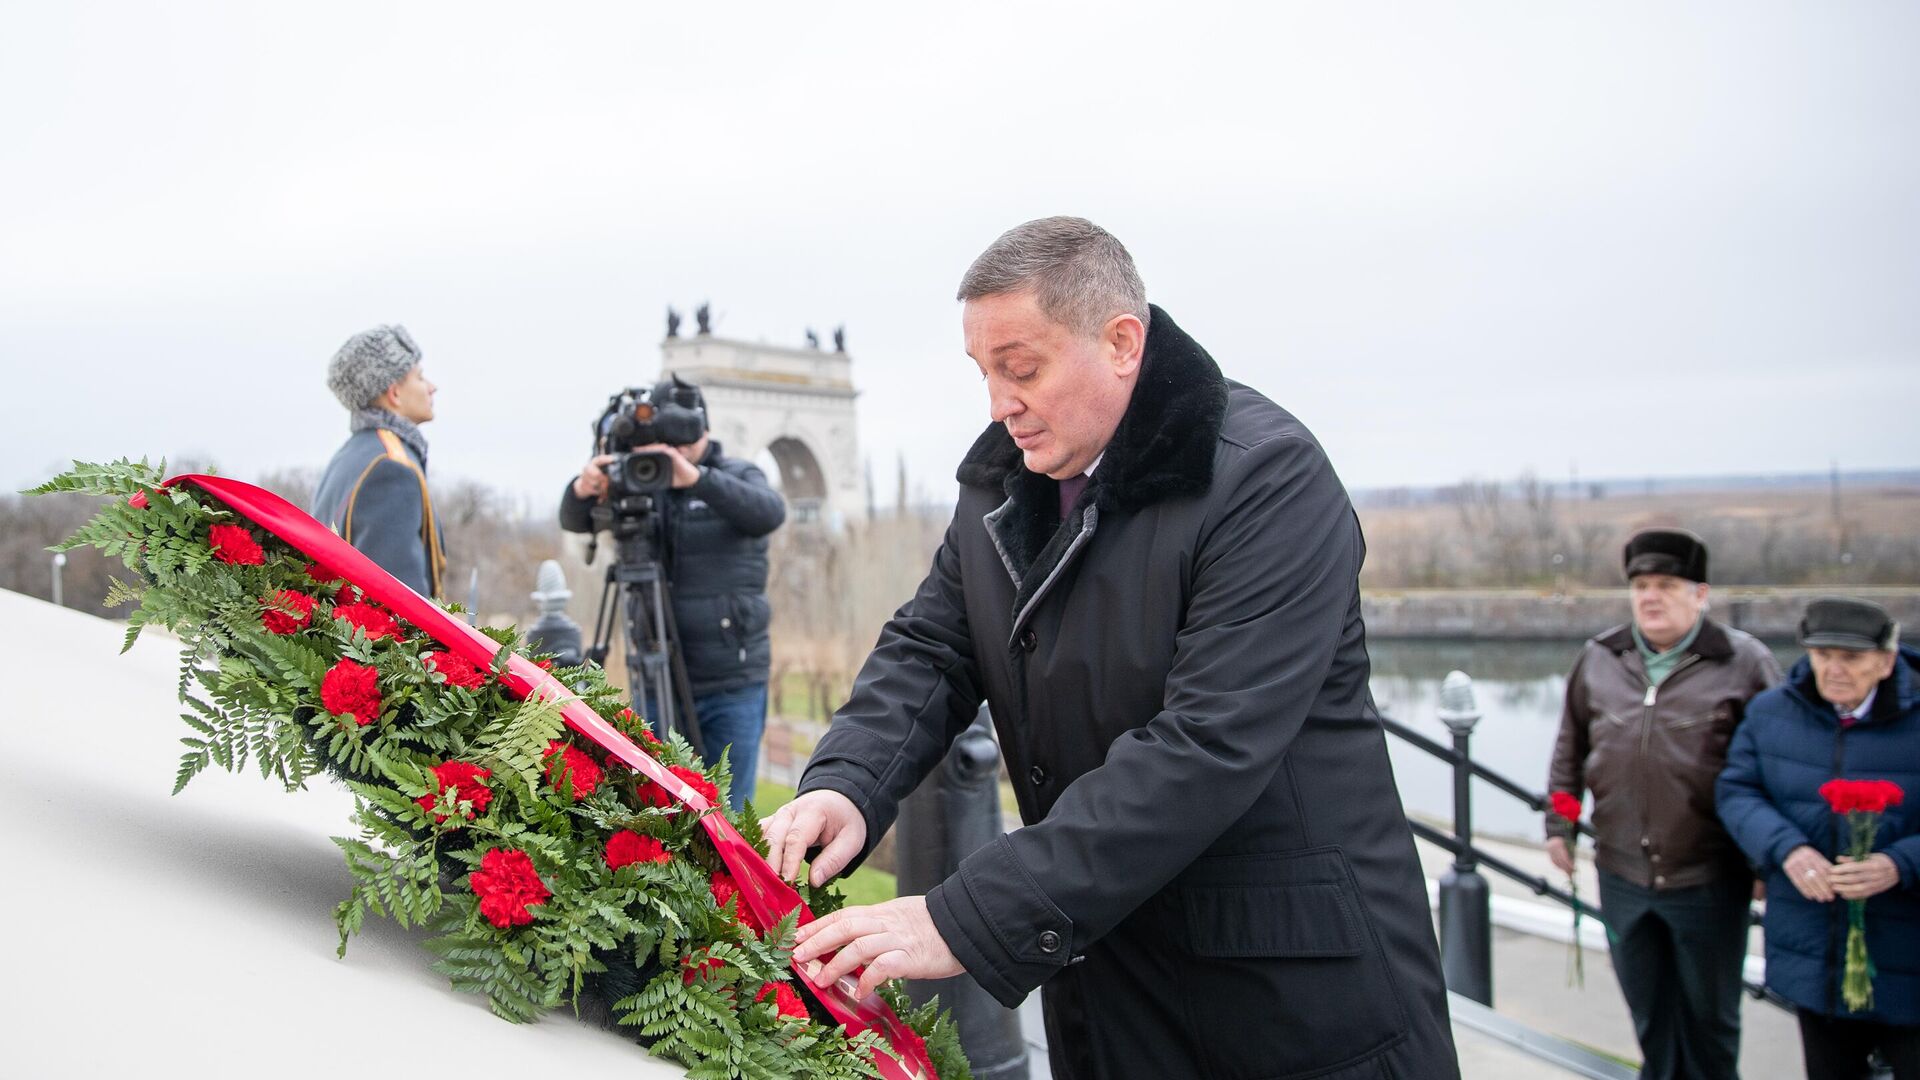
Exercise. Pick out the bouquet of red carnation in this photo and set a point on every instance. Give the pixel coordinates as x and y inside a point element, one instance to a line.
<point>1567,805</point>
<point>1862,802</point>
<point>500,805</point>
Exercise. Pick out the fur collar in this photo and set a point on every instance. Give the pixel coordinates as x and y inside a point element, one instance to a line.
<point>1163,447</point>
<point>371,417</point>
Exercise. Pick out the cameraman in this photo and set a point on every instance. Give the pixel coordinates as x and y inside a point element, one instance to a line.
<point>714,523</point>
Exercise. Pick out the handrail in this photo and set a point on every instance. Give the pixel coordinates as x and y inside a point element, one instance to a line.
<point>1539,885</point>
<point>1447,754</point>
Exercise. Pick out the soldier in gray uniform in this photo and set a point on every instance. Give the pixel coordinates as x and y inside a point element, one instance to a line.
<point>374,492</point>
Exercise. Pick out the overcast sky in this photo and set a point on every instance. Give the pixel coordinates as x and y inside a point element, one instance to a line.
<point>1457,240</point>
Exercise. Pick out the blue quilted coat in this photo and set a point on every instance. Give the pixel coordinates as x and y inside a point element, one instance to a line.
<point>1790,743</point>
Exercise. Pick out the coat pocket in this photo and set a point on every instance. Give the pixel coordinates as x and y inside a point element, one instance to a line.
<point>1286,977</point>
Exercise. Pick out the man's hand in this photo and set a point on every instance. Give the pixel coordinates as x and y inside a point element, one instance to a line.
<point>685,473</point>
<point>817,818</point>
<point>1870,876</point>
<point>592,481</point>
<point>894,940</point>
<point>1561,857</point>
<point>1808,870</point>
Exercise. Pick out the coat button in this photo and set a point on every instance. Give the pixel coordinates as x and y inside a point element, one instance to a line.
<point>1029,639</point>
<point>1659,879</point>
<point>1656,856</point>
<point>1038,774</point>
<point>1049,942</point>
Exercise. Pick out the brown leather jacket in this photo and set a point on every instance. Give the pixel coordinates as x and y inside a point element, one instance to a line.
<point>1650,755</point>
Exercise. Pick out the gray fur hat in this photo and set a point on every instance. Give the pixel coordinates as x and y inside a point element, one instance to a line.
<point>369,362</point>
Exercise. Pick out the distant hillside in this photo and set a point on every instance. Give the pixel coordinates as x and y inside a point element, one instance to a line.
<point>1578,490</point>
<point>1765,531</point>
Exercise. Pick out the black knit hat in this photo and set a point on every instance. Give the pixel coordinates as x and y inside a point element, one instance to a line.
<point>1667,551</point>
<point>677,391</point>
<point>1838,622</point>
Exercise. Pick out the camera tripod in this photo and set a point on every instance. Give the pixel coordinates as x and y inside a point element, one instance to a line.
<point>656,672</point>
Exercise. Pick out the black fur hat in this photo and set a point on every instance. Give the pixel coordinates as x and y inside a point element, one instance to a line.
<point>1667,551</point>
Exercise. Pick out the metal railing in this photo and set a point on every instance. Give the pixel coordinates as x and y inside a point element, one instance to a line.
<point>1465,909</point>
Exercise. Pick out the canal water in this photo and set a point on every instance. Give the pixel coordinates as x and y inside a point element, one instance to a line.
<point>1519,686</point>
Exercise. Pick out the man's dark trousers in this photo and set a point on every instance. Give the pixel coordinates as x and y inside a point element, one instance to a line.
<point>1679,955</point>
<point>1837,1048</point>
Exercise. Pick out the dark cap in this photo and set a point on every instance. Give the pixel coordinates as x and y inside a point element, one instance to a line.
<point>1667,551</point>
<point>1838,622</point>
<point>677,391</point>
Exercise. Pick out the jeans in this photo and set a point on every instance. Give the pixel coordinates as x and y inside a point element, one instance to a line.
<point>1678,954</point>
<point>729,720</point>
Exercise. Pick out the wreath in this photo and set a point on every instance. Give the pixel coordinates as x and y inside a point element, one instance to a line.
<point>558,853</point>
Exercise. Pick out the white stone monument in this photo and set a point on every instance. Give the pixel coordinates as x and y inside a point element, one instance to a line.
<point>796,404</point>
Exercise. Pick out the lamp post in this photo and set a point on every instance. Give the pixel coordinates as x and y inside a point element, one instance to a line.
<point>554,631</point>
<point>953,813</point>
<point>1466,930</point>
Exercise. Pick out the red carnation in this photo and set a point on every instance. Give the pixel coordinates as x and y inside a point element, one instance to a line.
<point>1865,796</point>
<point>1567,805</point>
<point>786,1000</point>
<point>699,971</point>
<point>233,544</point>
<point>463,778</point>
<point>724,888</point>
<point>1841,795</point>
<point>582,771</point>
<point>654,795</point>
<point>138,500</point>
<point>627,847</point>
<point>320,574</point>
<point>458,670</point>
<point>287,612</point>
<point>648,740</point>
<point>507,886</point>
<point>699,783</point>
<point>352,688</point>
<point>1891,793</point>
<point>376,623</point>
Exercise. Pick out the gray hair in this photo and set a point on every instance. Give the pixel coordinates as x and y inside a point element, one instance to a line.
<point>1078,272</point>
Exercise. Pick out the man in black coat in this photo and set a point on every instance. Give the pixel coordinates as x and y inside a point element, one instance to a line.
<point>1151,577</point>
<point>715,522</point>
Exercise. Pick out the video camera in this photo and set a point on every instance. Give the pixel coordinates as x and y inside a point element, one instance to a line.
<point>672,412</point>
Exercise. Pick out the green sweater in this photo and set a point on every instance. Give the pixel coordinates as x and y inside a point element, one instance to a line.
<point>1660,664</point>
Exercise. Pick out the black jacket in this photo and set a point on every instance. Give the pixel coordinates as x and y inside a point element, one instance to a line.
<point>715,555</point>
<point>1216,877</point>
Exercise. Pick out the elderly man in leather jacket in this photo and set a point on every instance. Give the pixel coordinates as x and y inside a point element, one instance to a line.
<point>1650,709</point>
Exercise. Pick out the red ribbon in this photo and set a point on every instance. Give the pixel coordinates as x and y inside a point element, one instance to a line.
<point>762,893</point>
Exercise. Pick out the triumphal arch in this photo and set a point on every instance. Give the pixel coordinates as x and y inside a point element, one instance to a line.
<point>794,404</point>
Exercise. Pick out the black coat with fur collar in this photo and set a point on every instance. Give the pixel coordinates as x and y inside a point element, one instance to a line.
<point>1215,877</point>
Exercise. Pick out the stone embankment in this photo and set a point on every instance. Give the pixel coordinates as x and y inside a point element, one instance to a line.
<point>1520,614</point>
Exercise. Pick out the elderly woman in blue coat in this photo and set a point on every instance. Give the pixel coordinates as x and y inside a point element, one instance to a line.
<point>1849,710</point>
